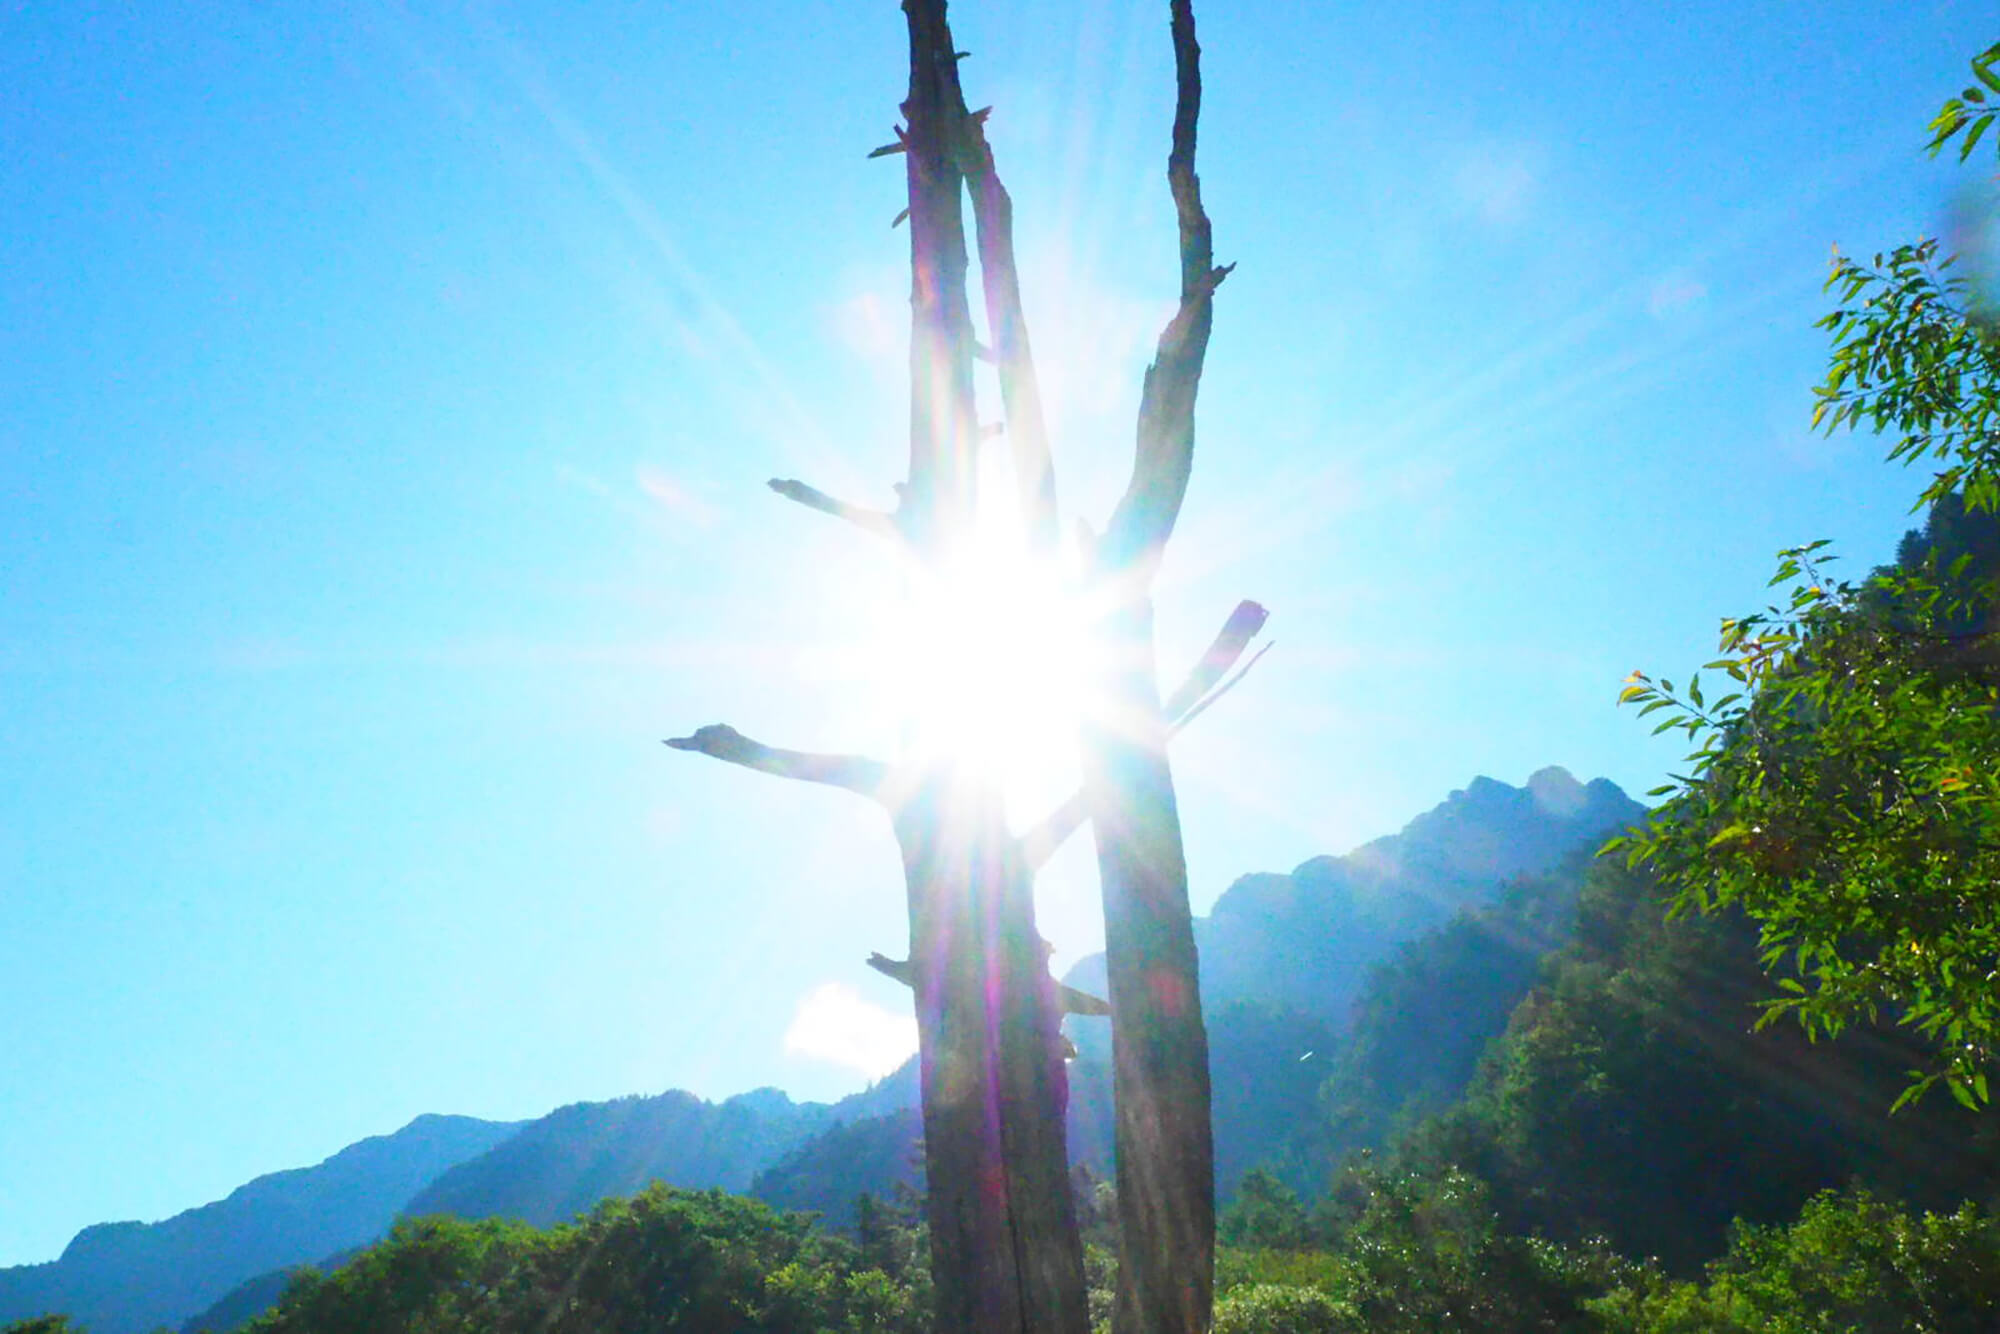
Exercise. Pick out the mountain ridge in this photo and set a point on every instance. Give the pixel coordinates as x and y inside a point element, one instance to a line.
<point>1282,958</point>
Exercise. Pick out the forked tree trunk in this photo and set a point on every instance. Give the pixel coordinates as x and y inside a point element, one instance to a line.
<point>1159,1042</point>
<point>1004,1249</point>
<point>1165,1145</point>
<point>1004,1244</point>
<point>1005,1252</point>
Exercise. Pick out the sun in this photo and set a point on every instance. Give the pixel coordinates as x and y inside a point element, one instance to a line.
<point>990,660</point>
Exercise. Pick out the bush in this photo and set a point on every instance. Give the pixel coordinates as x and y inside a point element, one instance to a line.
<point>1850,1262</point>
<point>1270,1308</point>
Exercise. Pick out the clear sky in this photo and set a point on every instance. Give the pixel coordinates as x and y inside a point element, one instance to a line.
<point>386,396</point>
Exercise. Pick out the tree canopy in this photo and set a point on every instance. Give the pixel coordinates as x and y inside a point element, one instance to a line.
<point>1845,787</point>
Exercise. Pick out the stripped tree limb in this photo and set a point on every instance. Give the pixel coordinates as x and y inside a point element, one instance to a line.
<point>1221,690</point>
<point>1006,1256</point>
<point>1236,633</point>
<point>1146,515</point>
<point>1189,702</point>
<point>1165,1144</point>
<point>879,522</point>
<point>855,773</point>
<point>1073,1000</point>
<point>1020,392</point>
<point>943,430</point>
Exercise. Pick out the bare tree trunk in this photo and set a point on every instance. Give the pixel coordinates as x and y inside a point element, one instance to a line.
<point>1159,1043</point>
<point>1004,1248</point>
<point>1006,1258</point>
<point>1165,1146</point>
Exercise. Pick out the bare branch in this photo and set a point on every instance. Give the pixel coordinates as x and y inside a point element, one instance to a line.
<point>1220,690</point>
<point>1073,1000</point>
<point>879,522</point>
<point>896,970</point>
<point>1187,703</point>
<point>1020,393</point>
<point>1039,844</point>
<point>1164,454</point>
<point>1235,635</point>
<point>1082,1002</point>
<point>720,741</point>
<point>943,430</point>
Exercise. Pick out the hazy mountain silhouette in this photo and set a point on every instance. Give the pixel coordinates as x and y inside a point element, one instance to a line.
<point>1283,958</point>
<point>560,1165</point>
<point>122,1278</point>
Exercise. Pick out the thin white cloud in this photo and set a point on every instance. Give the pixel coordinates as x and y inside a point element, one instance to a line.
<point>834,1024</point>
<point>1673,293</point>
<point>1499,181</point>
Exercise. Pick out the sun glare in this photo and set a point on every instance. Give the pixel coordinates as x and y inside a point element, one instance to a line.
<point>991,658</point>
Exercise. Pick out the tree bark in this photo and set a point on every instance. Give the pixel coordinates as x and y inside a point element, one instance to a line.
<point>1160,1079</point>
<point>1006,1255</point>
<point>1159,1041</point>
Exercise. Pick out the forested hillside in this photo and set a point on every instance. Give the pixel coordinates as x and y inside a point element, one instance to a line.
<point>132,1276</point>
<point>1536,1103</point>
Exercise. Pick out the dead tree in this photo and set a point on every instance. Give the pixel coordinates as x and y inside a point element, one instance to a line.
<point>1004,1245</point>
<point>1005,1253</point>
<point>1165,1146</point>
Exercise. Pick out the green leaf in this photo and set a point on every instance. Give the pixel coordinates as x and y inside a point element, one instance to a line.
<point>1730,834</point>
<point>1972,136</point>
<point>1982,69</point>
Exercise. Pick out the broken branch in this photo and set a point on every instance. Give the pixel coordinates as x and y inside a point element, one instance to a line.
<point>880,522</point>
<point>1229,643</point>
<point>1164,453</point>
<point>1020,393</point>
<point>1186,704</point>
<point>720,741</point>
<point>1073,1000</point>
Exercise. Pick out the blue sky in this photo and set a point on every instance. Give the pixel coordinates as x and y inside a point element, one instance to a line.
<point>386,396</point>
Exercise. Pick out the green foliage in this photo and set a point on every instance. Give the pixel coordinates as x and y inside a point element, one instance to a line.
<point>43,1324</point>
<point>1631,1098</point>
<point>1239,1267</point>
<point>1265,1214</point>
<point>1845,786</point>
<point>1425,1017</point>
<point>1969,114</point>
<point>1269,1308</point>
<point>662,1260</point>
<point>1428,1251</point>
<point>1850,1262</point>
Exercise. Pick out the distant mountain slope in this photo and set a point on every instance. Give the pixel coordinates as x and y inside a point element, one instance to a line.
<point>559,1166</point>
<point>1633,1095</point>
<point>125,1278</point>
<point>1283,959</point>
<point>1306,940</point>
<point>827,1173</point>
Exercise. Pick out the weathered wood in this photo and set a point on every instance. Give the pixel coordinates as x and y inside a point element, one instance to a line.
<point>1004,1249</point>
<point>1007,323</point>
<point>1160,1078</point>
<point>1004,1246</point>
<point>1073,1000</point>
<point>1187,703</point>
<point>944,429</point>
<point>1159,1041</point>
